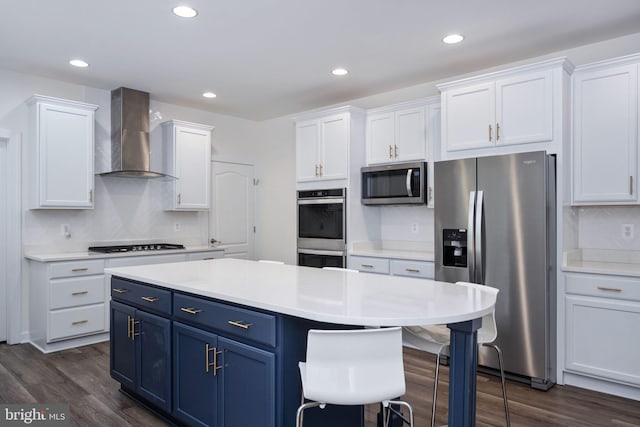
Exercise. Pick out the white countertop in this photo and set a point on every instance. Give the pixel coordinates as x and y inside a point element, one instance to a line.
<point>602,261</point>
<point>339,297</point>
<point>394,253</point>
<point>600,267</point>
<point>414,251</point>
<point>70,256</point>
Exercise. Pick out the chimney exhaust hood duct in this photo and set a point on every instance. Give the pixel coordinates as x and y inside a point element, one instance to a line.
<point>130,151</point>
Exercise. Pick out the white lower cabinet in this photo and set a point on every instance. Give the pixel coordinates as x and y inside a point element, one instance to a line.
<point>392,266</point>
<point>602,327</point>
<point>69,300</point>
<point>66,301</point>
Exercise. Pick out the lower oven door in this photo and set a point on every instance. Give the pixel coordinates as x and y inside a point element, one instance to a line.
<point>320,258</point>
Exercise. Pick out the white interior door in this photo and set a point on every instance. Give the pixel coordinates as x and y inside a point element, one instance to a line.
<point>232,212</point>
<point>3,240</point>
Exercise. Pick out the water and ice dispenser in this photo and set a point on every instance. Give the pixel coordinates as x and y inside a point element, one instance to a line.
<point>454,247</point>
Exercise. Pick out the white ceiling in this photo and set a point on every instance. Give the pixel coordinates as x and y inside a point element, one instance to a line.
<point>268,58</point>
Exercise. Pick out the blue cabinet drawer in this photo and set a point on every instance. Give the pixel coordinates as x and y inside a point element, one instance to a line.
<point>143,296</point>
<point>226,319</point>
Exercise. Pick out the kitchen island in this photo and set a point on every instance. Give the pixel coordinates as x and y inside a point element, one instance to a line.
<point>254,316</point>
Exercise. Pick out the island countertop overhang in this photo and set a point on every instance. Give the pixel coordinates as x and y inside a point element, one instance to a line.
<point>340,297</point>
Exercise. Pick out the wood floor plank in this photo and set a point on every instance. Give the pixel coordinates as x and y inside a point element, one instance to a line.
<point>80,377</point>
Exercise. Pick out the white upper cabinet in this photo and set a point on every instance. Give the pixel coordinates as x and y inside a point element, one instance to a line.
<point>334,146</point>
<point>187,157</point>
<point>507,108</point>
<point>61,147</point>
<point>605,133</point>
<point>405,132</point>
<point>322,145</point>
<point>398,135</point>
<point>470,117</point>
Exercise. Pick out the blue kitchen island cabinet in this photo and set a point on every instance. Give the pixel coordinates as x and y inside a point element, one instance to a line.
<point>228,365</point>
<point>210,369</point>
<point>140,352</point>
<point>257,316</point>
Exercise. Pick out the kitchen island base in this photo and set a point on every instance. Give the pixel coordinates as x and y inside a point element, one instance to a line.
<point>186,358</point>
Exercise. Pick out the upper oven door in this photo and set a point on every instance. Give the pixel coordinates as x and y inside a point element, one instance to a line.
<point>321,223</point>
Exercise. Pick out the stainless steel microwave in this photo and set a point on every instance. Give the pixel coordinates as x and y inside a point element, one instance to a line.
<point>394,184</point>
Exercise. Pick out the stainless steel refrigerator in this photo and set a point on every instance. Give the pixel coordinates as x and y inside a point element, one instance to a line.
<point>495,224</point>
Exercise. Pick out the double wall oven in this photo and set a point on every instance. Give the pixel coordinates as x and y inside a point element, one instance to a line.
<point>322,228</point>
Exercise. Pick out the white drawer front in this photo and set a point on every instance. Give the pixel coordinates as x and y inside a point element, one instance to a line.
<point>76,268</point>
<point>70,322</point>
<point>145,260</point>
<point>370,265</point>
<point>423,269</point>
<point>196,256</point>
<point>603,286</point>
<point>76,291</point>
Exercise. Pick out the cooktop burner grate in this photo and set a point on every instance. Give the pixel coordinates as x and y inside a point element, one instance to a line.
<point>135,248</point>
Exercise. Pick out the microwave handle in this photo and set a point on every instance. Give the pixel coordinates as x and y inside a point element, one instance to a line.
<point>409,189</point>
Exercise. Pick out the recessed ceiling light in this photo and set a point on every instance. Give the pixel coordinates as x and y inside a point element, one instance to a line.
<point>340,72</point>
<point>209,95</point>
<point>185,11</point>
<point>453,39</point>
<point>78,63</point>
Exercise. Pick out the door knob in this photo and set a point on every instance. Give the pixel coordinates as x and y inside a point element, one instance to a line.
<point>213,241</point>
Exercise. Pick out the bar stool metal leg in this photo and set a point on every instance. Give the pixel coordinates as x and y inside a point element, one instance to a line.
<point>504,388</point>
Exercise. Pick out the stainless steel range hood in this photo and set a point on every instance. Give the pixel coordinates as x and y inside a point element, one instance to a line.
<point>130,151</point>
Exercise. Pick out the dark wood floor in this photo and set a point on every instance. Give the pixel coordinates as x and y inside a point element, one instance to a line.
<point>80,377</point>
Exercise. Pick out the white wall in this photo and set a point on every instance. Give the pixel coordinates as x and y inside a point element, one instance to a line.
<point>394,227</point>
<point>125,209</point>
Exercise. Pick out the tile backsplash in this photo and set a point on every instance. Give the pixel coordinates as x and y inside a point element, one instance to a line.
<point>126,209</point>
<point>614,227</point>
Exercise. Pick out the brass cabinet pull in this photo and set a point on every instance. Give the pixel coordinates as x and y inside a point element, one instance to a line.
<point>207,259</point>
<point>320,170</point>
<point>367,265</point>
<point>79,322</point>
<point>190,310</point>
<point>390,152</point>
<point>90,196</point>
<point>413,270</point>
<point>76,270</point>
<point>150,299</point>
<point>134,322</point>
<point>490,133</point>
<point>395,151</point>
<point>179,198</point>
<point>497,131</point>
<point>240,324</point>
<point>80,293</point>
<point>316,169</point>
<point>213,364</point>
<point>129,326</point>
<point>120,291</point>
<point>602,288</point>
<point>631,185</point>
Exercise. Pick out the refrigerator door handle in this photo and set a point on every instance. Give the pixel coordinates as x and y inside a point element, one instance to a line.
<point>408,182</point>
<point>478,239</point>
<point>471,253</point>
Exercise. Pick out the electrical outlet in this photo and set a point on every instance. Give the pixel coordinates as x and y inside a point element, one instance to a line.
<point>66,230</point>
<point>627,231</point>
<point>414,227</point>
<point>176,226</point>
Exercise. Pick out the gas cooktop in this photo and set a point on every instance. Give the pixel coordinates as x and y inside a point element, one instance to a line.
<point>135,248</point>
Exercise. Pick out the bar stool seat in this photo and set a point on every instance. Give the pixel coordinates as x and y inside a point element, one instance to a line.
<point>353,367</point>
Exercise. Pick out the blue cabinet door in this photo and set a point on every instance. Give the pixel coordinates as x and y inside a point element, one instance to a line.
<point>246,386</point>
<point>122,349</point>
<point>153,342</point>
<point>194,383</point>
